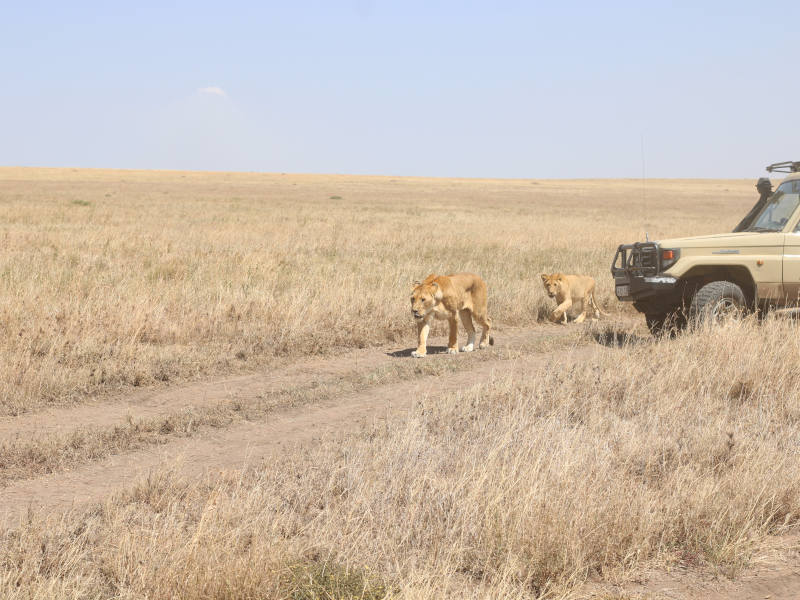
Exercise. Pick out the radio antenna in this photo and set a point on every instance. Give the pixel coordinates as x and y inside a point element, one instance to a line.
<point>644,180</point>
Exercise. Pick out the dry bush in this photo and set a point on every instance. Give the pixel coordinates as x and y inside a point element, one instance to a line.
<point>678,450</point>
<point>114,279</point>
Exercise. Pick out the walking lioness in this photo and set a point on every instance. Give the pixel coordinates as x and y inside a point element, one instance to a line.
<point>567,289</point>
<point>450,297</point>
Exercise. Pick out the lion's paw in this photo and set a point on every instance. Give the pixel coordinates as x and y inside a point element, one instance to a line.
<point>467,348</point>
<point>416,354</point>
<point>452,350</point>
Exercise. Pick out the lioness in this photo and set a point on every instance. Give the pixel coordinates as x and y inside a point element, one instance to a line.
<point>448,297</point>
<point>567,289</point>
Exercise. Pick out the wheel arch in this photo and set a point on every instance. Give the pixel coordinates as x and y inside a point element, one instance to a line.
<point>700,275</point>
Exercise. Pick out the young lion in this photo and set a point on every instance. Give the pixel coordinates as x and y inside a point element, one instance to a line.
<point>567,289</point>
<point>448,297</point>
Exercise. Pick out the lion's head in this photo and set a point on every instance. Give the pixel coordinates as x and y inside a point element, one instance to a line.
<point>424,296</point>
<point>553,283</point>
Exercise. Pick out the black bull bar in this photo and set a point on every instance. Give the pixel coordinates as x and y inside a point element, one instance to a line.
<point>636,260</point>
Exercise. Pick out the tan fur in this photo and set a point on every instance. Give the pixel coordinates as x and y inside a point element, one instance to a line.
<point>449,297</point>
<point>567,289</point>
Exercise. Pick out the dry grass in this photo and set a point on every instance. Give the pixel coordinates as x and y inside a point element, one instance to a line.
<point>661,452</point>
<point>113,279</point>
<point>521,489</point>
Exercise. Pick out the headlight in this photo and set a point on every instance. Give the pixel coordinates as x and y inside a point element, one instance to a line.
<point>669,256</point>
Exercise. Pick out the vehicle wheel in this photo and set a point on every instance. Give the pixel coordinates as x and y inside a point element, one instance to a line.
<point>718,302</point>
<point>665,323</point>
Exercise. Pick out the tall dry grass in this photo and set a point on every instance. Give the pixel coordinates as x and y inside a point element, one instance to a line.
<point>114,279</point>
<point>672,451</point>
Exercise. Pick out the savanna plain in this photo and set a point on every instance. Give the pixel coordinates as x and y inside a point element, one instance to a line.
<point>566,462</point>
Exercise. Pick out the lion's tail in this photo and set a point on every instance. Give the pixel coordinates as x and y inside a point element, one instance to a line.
<point>595,306</point>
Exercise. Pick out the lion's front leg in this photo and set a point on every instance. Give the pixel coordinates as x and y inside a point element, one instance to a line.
<point>452,342</point>
<point>422,345</point>
<point>560,313</point>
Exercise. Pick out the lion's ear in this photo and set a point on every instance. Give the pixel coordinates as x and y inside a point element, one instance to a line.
<point>415,285</point>
<point>437,290</point>
<point>544,277</point>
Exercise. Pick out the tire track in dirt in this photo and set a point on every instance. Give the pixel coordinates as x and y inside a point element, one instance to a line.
<point>233,447</point>
<point>151,404</point>
<point>773,575</point>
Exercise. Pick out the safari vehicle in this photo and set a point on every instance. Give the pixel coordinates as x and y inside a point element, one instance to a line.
<point>716,277</point>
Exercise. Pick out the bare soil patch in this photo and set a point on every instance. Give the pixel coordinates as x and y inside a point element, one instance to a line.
<point>773,575</point>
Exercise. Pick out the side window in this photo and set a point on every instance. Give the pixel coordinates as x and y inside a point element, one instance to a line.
<point>778,211</point>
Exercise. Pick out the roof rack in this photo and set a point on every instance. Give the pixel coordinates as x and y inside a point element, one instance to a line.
<point>784,167</point>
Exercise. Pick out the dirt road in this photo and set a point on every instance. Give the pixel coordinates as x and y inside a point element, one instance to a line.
<point>232,447</point>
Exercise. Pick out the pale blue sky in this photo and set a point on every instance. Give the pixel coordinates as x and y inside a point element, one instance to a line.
<point>472,89</point>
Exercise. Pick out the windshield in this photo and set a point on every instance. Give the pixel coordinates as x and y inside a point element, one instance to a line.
<point>779,209</point>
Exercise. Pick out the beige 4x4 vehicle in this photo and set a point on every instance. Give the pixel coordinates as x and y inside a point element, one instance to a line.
<point>715,276</point>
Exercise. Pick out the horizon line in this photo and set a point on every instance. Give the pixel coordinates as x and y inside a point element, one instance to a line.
<point>365,175</point>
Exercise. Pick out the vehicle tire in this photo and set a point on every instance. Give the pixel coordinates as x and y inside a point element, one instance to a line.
<point>669,323</point>
<point>717,302</point>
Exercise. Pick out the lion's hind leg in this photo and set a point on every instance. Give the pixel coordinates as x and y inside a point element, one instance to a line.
<point>466,319</point>
<point>595,308</point>
<point>585,303</point>
<point>486,324</point>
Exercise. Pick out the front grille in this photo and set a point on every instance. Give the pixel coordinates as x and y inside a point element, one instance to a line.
<point>644,259</point>
<point>639,259</point>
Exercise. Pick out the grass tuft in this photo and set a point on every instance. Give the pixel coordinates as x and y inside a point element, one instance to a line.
<point>320,579</point>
